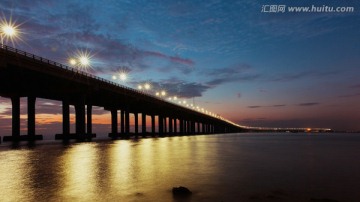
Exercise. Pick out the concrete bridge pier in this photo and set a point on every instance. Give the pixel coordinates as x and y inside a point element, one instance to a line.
<point>114,124</point>
<point>89,119</point>
<point>161,125</point>
<point>127,124</point>
<point>170,126</point>
<point>152,125</point>
<point>15,102</point>
<point>198,128</point>
<point>181,123</point>
<point>80,123</point>
<point>122,120</point>
<point>143,124</point>
<point>136,117</point>
<point>175,126</point>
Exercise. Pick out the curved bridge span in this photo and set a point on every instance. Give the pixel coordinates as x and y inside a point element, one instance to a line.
<point>26,75</point>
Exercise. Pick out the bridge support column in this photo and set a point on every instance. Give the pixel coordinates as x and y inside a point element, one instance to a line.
<point>15,101</point>
<point>114,124</point>
<point>89,119</point>
<point>80,119</point>
<point>127,123</point>
<point>175,126</point>
<point>15,136</point>
<point>170,126</point>
<point>165,125</point>
<point>198,127</point>
<point>66,117</point>
<point>152,124</point>
<point>143,124</point>
<point>181,126</point>
<point>161,125</point>
<point>31,116</point>
<point>188,127</point>
<point>122,119</point>
<point>193,127</point>
<point>136,117</point>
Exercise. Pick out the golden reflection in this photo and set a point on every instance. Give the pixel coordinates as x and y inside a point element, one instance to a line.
<point>79,170</point>
<point>15,175</point>
<point>120,166</point>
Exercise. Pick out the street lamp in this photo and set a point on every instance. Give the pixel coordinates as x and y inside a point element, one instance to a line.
<point>81,60</point>
<point>123,76</point>
<point>8,31</point>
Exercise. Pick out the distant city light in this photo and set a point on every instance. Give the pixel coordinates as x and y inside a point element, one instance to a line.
<point>163,93</point>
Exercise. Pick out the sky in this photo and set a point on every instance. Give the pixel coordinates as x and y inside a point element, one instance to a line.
<point>238,59</point>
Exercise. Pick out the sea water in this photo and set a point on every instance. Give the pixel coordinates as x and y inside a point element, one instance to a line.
<point>223,167</point>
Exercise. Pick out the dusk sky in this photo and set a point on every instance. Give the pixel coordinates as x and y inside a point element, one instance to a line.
<point>271,69</point>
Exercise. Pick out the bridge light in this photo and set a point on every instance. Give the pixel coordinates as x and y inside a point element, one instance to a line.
<point>122,76</point>
<point>9,31</point>
<point>84,60</point>
<point>72,61</point>
<point>147,86</point>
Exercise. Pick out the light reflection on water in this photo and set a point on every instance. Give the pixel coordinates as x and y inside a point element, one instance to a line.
<point>215,168</point>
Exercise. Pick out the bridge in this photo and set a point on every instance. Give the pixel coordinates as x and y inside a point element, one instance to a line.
<point>23,74</point>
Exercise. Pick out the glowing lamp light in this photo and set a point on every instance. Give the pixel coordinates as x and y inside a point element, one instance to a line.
<point>140,87</point>
<point>72,61</point>
<point>114,77</point>
<point>84,61</point>
<point>147,86</point>
<point>123,76</point>
<point>157,94</point>
<point>9,30</point>
<point>163,93</point>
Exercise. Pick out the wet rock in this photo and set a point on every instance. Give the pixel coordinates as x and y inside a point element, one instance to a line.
<point>181,192</point>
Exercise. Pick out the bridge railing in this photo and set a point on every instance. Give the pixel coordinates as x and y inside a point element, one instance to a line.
<point>47,61</point>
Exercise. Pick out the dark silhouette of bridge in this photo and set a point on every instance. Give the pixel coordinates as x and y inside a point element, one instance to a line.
<point>26,75</point>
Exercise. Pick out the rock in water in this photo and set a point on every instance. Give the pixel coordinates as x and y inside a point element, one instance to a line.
<point>181,192</point>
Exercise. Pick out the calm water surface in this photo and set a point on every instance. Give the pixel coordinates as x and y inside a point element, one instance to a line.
<point>235,167</point>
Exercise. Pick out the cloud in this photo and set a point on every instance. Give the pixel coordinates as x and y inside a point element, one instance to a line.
<point>177,87</point>
<point>355,86</point>
<point>234,73</point>
<point>304,74</point>
<point>349,95</point>
<point>308,104</point>
<point>282,105</point>
<point>259,106</point>
<point>254,106</point>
